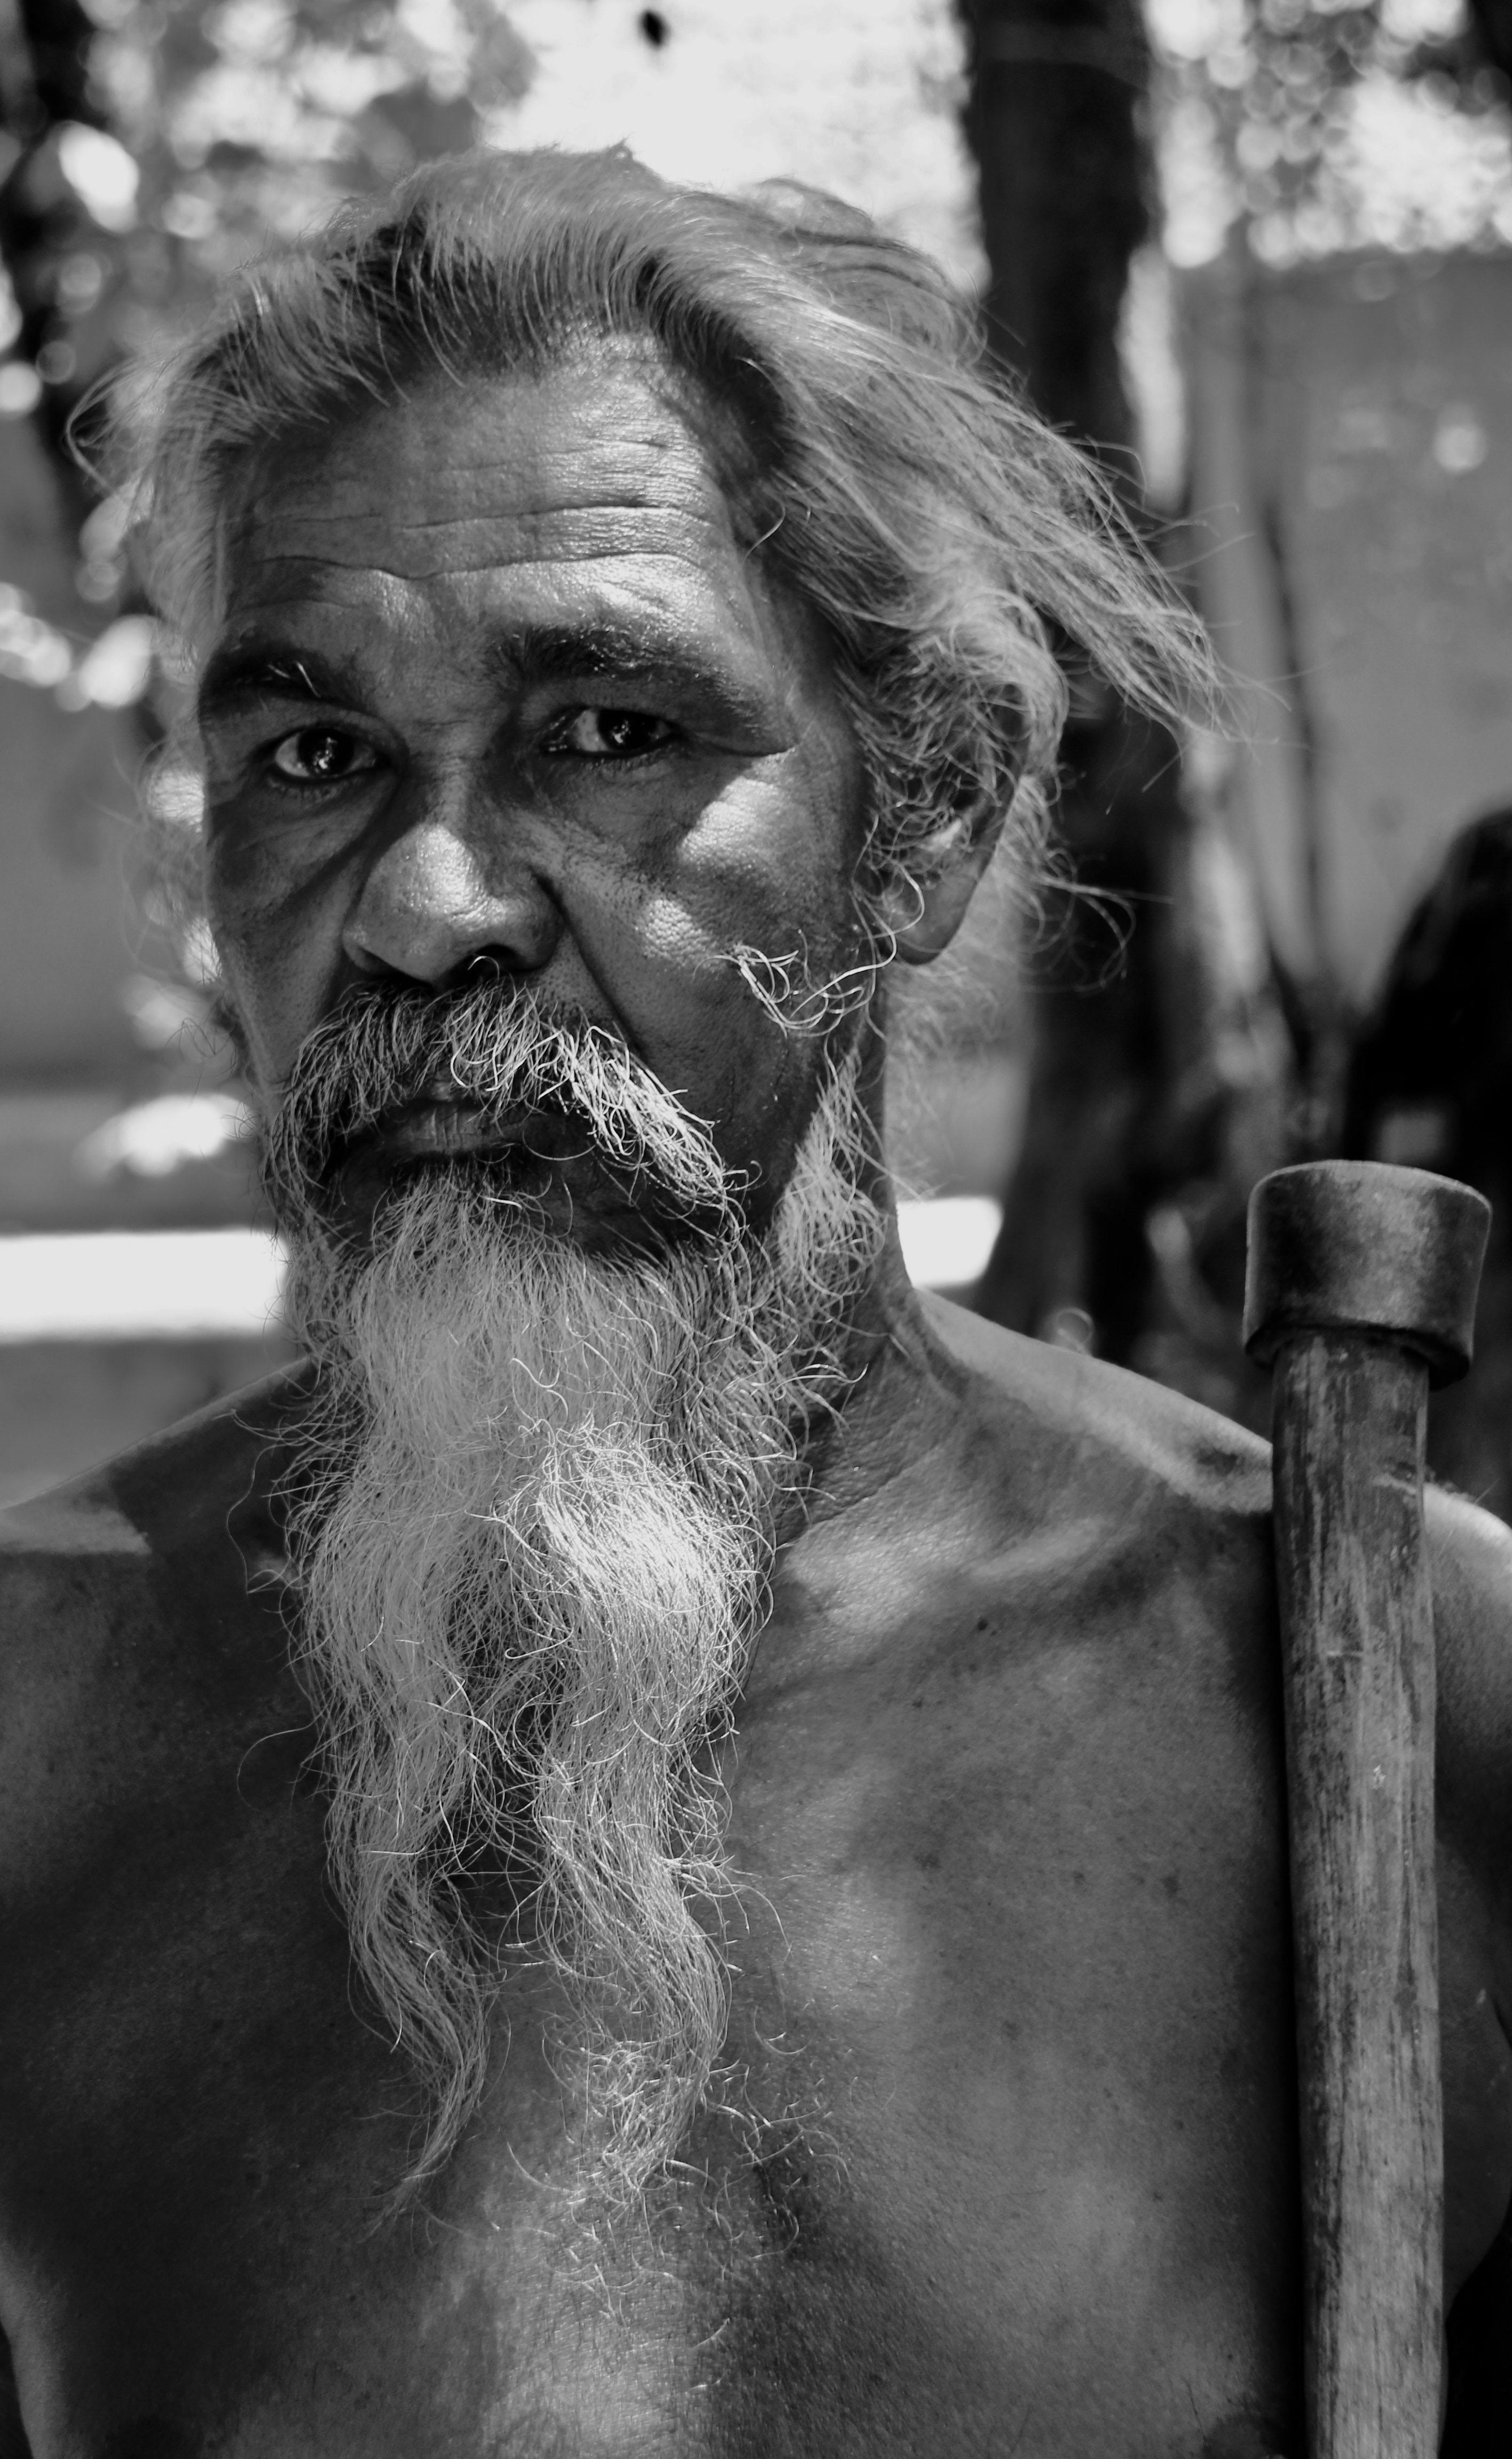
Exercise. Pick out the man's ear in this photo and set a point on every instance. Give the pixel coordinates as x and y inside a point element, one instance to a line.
<point>923,915</point>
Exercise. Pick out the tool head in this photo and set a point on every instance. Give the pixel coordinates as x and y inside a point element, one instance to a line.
<point>1359,1246</point>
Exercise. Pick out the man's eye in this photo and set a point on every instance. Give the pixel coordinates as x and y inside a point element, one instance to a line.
<point>611,733</point>
<point>320,755</point>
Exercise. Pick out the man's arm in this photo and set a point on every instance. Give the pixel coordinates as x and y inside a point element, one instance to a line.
<point>1472,1576</point>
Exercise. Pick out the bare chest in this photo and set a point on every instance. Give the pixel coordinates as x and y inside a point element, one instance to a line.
<point>1006,2152</point>
<point>1006,2155</point>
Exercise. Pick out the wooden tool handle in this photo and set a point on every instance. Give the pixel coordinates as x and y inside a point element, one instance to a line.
<point>1361,1289</point>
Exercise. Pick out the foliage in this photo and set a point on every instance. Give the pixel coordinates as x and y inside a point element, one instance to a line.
<point>1317,128</point>
<point>151,146</point>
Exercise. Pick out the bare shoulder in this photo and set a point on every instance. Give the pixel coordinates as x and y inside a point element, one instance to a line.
<point>1470,1554</point>
<point>110,1585</point>
<point>1080,1437</point>
<point>159,1498</point>
<point>1471,1558</point>
<point>1101,1440</point>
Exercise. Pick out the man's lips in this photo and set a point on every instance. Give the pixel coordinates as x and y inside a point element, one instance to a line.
<point>445,1128</point>
<point>551,1159</point>
<point>443,1131</point>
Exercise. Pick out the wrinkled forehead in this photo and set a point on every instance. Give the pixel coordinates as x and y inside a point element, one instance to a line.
<point>588,498</point>
<point>453,465</point>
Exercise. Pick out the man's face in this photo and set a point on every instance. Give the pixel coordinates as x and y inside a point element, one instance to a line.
<point>497,682</point>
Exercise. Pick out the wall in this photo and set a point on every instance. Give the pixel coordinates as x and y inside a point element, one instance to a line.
<point>66,934</point>
<point>1354,430</point>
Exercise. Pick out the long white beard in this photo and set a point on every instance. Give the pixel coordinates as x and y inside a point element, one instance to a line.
<point>533,1518</point>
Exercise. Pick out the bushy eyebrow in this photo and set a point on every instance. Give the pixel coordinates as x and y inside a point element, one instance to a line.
<point>647,654</point>
<point>234,677</point>
<point>558,652</point>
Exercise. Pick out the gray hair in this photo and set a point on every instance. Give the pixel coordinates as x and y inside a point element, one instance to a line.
<point>947,539</point>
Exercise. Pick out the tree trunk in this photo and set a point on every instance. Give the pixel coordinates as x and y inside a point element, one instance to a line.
<point>1122,1101</point>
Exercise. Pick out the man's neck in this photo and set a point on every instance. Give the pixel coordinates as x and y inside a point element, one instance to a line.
<point>900,1402</point>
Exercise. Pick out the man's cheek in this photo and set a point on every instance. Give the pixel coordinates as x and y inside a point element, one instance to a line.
<point>249,883</point>
<point>277,922</point>
<point>274,991</point>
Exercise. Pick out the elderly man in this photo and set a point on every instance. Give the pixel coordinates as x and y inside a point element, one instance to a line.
<point>668,1850</point>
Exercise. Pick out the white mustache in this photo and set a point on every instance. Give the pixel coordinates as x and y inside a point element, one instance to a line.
<point>382,1053</point>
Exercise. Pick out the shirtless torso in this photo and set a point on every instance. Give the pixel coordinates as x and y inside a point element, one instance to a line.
<point>1007,1795</point>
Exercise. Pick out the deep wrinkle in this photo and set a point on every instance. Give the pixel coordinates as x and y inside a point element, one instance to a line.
<point>477,820</point>
<point>255,672</point>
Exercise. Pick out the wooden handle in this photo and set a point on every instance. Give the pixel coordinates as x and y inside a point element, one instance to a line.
<point>1362,1283</point>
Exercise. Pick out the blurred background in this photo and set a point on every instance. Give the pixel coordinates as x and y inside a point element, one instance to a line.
<point>1256,253</point>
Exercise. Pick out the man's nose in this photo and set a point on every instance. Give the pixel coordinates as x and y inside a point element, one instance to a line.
<point>433,901</point>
